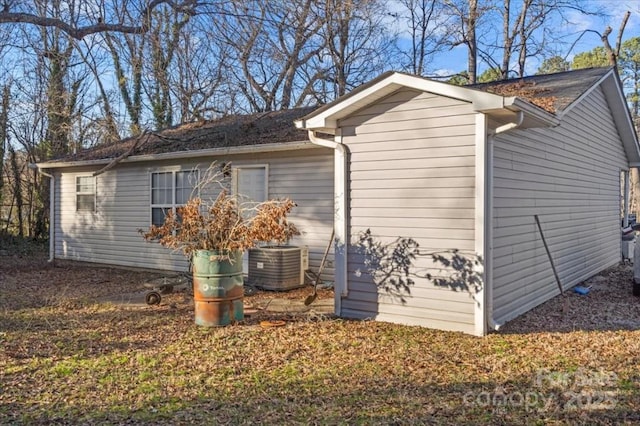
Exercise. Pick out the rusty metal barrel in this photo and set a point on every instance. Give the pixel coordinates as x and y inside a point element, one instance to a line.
<point>217,288</point>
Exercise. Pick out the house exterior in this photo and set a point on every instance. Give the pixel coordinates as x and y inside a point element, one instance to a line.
<point>432,191</point>
<point>102,197</point>
<point>437,188</point>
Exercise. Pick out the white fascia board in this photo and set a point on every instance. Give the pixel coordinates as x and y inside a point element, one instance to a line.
<point>617,102</point>
<point>328,118</point>
<point>587,92</point>
<point>211,152</point>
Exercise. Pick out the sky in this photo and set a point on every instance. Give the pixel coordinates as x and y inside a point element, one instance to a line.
<point>454,61</point>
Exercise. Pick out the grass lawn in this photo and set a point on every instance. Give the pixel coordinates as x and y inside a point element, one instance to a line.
<point>64,358</point>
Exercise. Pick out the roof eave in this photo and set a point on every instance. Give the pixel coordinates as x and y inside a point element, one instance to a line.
<point>326,119</point>
<point>534,115</point>
<point>210,152</point>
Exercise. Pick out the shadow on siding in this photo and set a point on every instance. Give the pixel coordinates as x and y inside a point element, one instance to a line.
<point>392,266</point>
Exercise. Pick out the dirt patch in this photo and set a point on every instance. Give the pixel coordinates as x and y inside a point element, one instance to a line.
<point>28,282</point>
<point>609,305</point>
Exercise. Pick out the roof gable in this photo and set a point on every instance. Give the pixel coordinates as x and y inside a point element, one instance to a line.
<point>541,100</point>
<point>325,119</point>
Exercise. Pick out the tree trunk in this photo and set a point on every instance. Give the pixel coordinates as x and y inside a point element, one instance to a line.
<point>471,41</point>
<point>17,189</point>
<point>4,113</point>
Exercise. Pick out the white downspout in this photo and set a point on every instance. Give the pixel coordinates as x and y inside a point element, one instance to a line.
<point>488,251</point>
<point>627,198</point>
<point>52,211</point>
<point>340,214</point>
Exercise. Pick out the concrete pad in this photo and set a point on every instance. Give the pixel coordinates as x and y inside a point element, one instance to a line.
<point>297,306</point>
<point>325,306</point>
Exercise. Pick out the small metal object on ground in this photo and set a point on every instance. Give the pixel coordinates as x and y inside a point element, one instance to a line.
<point>160,286</point>
<point>153,298</point>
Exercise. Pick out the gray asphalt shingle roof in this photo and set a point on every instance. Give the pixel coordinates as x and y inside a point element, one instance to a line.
<point>229,131</point>
<point>552,92</point>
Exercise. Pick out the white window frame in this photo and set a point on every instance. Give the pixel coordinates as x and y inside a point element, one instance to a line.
<point>235,169</point>
<point>173,205</point>
<point>94,192</point>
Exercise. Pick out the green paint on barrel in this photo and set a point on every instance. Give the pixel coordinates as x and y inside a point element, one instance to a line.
<point>217,288</point>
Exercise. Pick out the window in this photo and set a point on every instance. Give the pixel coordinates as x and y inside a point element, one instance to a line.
<point>85,193</point>
<point>170,190</point>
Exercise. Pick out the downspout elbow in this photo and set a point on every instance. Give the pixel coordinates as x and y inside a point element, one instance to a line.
<point>512,125</point>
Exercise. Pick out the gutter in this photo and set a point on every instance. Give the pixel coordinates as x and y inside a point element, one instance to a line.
<point>488,249</point>
<point>52,215</point>
<point>340,191</point>
<point>250,149</point>
<point>533,111</point>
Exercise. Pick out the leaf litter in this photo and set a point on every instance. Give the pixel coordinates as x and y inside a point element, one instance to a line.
<point>66,358</point>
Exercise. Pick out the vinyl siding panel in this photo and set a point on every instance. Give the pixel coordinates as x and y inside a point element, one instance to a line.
<point>110,235</point>
<point>570,177</point>
<point>411,175</point>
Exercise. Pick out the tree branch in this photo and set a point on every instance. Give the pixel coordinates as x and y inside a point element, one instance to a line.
<point>79,33</point>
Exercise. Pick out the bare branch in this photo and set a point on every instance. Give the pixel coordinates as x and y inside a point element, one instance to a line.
<point>621,31</point>
<point>6,17</point>
<point>139,142</point>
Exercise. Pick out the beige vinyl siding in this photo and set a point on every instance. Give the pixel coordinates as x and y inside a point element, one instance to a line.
<point>570,177</point>
<point>110,235</point>
<point>411,175</point>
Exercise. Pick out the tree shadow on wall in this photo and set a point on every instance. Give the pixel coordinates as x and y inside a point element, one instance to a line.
<point>392,266</point>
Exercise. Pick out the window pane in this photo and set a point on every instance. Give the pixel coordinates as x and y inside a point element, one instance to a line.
<point>158,214</point>
<point>185,185</point>
<point>161,188</point>
<point>182,195</point>
<point>85,184</point>
<point>161,180</point>
<point>85,202</point>
<point>161,196</point>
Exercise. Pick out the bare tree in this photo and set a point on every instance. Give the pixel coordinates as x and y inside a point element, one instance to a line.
<point>18,201</point>
<point>127,55</point>
<point>465,14</point>
<point>271,42</point>
<point>18,12</point>
<point>357,47</point>
<point>425,20</point>
<point>611,53</point>
<point>107,125</point>
<point>200,78</point>
<point>4,134</point>
<point>164,39</point>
